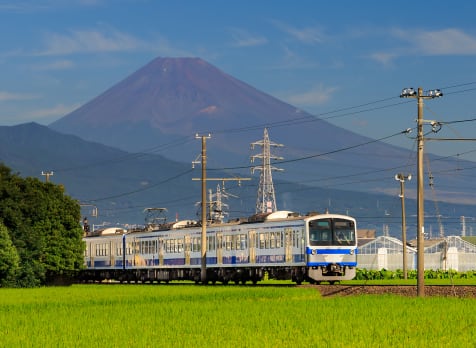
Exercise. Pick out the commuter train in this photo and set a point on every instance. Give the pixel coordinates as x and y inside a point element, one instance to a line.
<point>279,245</point>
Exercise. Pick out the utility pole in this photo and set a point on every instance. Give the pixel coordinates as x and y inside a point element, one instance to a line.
<point>47,175</point>
<point>463,226</point>
<point>203,269</point>
<point>402,177</point>
<point>410,93</point>
<point>266,200</point>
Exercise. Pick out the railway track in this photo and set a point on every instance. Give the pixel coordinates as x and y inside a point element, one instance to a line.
<point>404,290</point>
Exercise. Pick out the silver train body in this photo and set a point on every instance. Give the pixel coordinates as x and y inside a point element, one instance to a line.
<point>279,245</point>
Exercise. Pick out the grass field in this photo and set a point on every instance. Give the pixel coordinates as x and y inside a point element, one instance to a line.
<point>183,315</point>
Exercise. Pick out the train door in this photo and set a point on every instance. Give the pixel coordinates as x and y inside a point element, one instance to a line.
<point>288,244</point>
<point>112,251</point>
<point>187,249</point>
<point>219,248</point>
<point>161,251</point>
<point>89,247</point>
<point>252,245</point>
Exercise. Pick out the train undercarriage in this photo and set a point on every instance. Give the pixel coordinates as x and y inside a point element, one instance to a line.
<point>224,275</point>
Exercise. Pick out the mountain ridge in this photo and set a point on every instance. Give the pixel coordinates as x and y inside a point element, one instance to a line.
<point>123,184</point>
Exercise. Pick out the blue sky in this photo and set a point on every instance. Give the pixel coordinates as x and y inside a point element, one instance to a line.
<point>346,61</point>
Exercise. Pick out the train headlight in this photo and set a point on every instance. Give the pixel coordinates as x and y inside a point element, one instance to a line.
<point>313,251</point>
<point>352,251</point>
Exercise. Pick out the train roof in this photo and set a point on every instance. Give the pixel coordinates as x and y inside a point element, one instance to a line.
<point>280,215</point>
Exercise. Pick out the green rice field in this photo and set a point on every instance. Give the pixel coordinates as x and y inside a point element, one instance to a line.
<point>184,315</point>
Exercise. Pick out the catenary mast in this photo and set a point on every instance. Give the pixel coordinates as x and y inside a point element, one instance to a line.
<point>266,200</point>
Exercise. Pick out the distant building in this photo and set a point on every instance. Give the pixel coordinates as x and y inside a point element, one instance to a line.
<point>365,236</point>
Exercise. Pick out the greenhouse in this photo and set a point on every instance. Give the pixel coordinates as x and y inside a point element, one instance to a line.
<point>386,252</point>
<point>451,253</point>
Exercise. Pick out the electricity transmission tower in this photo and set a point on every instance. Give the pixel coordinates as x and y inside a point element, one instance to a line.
<point>217,210</point>
<point>266,200</point>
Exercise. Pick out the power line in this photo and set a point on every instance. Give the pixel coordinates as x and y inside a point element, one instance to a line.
<point>142,189</point>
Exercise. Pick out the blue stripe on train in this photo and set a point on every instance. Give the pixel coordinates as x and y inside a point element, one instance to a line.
<point>324,264</point>
<point>330,251</point>
<point>196,261</point>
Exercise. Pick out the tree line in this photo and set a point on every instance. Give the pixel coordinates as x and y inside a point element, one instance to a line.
<point>40,232</point>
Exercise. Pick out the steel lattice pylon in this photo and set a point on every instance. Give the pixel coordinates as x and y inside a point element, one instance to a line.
<point>266,200</point>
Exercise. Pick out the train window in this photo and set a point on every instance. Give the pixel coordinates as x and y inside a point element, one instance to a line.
<point>262,242</point>
<point>243,242</point>
<point>168,246</point>
<point>320,232</point>
<point>344,232</point>
<point>180,245</point>
<point>195,244</point>
<point>211,243</point>
<point>331,232</point>
<point>228,242</point>
<point>102,249</point>
<point>129,248</point>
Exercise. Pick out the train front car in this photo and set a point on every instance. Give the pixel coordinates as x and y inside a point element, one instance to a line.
<point>331,247</point>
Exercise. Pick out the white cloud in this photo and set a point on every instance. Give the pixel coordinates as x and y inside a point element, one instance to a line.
<point>242,38</point>
<point>449,41</point>
<point>8,96</point>
<point>42,116</point>
<point>442,42</point>
<point>55,111</point>
<point>56,65</point>
<point>85,41</point>
<point>383,58</point>
<point>316,96</point>
<point>309,35</point>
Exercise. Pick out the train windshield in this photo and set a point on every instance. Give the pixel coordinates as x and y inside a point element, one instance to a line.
<point>331,231</point>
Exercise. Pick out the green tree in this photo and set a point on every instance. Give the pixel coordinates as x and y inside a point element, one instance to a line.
<point>44,227</point>
<point>9,259</point>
